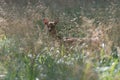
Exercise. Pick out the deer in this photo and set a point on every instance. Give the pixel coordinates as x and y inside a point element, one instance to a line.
<point>91,44</point>
<point>50,29</point>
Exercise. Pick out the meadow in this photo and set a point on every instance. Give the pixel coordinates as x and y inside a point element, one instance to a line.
<point>27,52</point>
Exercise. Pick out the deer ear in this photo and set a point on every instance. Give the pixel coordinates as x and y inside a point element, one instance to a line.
<point>45,21</point>
<point>56,21</point>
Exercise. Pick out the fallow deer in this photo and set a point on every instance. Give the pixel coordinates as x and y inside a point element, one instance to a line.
<point>50,28</point>
<point>93,43</point>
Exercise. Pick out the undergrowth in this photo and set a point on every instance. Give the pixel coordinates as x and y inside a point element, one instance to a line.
<point>54,64</point>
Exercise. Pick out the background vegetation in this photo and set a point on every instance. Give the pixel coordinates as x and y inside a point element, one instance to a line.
<point>26,53</point>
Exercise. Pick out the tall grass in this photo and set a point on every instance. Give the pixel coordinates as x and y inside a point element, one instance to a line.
<point>27,53</point>
<point>53,64</point>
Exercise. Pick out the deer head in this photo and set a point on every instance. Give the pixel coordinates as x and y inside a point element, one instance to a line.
<point>50,26</point>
